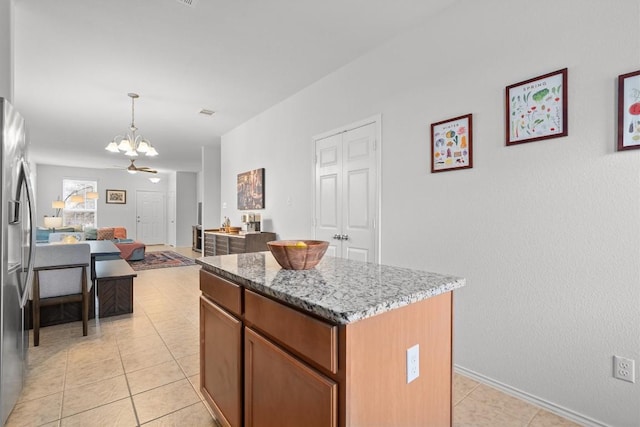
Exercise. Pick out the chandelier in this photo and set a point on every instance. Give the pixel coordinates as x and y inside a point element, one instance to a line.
<point>131,144</point>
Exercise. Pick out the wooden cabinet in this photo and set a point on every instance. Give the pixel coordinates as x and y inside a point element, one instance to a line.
<point>196,238</point>
<point>282,391</point>
<point>221,350</point>
<point>265,363</point>
<point>216,243</point>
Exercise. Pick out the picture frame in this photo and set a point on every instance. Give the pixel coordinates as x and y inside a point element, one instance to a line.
<point>629,111</point>
<point>452,144</point>
<point>536,109</point>
<point>250,189</point>
<point>118,197</point>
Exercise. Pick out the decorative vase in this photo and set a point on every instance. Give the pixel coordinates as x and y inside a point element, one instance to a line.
<point>53,221</point>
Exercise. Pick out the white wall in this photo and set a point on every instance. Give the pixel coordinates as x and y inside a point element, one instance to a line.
<point>186,212</point>
<point>210,185</point>
<point>6,54</point>
<point>49,187</point>
<point>546,233</point>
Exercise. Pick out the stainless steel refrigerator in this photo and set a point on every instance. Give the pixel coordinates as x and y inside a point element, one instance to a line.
<point>18,245</point>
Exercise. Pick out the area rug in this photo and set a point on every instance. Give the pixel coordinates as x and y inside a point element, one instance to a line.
<point>161,259</point>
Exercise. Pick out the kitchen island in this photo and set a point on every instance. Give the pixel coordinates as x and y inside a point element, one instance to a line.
<point>326,346</point>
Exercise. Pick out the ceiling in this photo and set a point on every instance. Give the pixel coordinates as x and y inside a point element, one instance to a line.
<point>76,60</point>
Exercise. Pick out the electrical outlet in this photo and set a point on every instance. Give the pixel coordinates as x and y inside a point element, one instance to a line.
<point>413,363</point>
<point>624,369</point>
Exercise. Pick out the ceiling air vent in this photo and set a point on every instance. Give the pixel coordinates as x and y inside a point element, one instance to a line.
<point>190,3</point>
<point>206,112</point>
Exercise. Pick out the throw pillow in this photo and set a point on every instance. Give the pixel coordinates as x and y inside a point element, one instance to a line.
<point>119,232</point>
<point>91,233</point>
<point>105,233</point>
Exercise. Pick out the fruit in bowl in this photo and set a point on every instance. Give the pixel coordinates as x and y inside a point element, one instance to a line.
<point>298,254</point>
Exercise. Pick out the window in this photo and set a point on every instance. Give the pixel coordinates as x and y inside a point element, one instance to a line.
<point>80,202</point>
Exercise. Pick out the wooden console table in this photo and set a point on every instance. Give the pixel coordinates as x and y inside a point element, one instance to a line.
<point>217,243</point>
<point>114,280</point>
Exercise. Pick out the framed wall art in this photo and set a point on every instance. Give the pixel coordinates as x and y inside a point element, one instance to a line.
<point>629,111</point>
<point>536,109</point>
<point>451,144</point>
<point>251,190</point>
<point>117,196</point>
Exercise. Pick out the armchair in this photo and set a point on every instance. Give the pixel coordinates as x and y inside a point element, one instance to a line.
<point>61,274</point>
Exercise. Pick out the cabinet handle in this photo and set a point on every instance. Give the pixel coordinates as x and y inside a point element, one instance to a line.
<point>337,236</point>
<point>344,237</point>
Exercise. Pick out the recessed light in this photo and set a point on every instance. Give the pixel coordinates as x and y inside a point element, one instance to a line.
<point>154,180</point>
<point>206,112</point>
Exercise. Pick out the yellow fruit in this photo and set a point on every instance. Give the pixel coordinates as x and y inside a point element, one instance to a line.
<point>301,245</point>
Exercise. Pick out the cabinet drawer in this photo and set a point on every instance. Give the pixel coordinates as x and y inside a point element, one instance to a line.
<point>223,292</point>
<point>236,245</point>
<point>222,245</point>
<point>306,335</point>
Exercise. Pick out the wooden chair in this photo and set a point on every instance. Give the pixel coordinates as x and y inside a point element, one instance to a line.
<point>61,275</point>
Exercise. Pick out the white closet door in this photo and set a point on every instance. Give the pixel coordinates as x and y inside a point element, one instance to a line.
<point>359,193</point>
<point>329,192</point>
<point>346,193</point>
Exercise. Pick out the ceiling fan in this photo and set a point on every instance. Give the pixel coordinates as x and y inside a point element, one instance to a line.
<point>132,168</point>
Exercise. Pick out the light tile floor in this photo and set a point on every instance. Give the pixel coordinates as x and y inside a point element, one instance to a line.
<point>143,369</point>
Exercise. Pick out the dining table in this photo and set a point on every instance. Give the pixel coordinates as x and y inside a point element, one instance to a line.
<point>101,250</point>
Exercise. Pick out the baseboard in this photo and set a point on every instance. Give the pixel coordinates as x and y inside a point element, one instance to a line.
<point>549,406</point>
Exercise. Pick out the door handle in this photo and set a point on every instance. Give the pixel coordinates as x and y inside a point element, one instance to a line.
<point>344,237</point>
<point>337,236</point>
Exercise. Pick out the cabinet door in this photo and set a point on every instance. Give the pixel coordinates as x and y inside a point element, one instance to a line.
<point>209,244</point>
<point>221,362</point>
<point>222,245</point>
<point>282,391</point>
<point>236,245</point>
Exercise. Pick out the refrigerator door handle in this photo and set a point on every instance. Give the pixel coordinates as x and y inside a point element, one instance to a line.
<point>26,176</point>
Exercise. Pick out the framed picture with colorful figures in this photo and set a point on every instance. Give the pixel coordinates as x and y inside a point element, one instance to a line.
<point>536,109</point>
<point>451,144</point>
<point>629,111</point>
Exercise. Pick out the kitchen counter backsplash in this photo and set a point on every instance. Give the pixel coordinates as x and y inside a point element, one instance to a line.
<point>339,290</point>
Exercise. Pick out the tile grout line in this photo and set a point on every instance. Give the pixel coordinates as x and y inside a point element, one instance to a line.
<point>126,378</point>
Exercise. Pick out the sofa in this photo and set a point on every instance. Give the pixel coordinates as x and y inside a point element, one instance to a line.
<point>130,250</point>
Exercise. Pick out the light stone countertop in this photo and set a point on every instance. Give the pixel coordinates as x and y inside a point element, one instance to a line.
<point>339,290</point>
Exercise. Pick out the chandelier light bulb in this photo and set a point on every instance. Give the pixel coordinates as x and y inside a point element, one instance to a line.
<point>131,144</point>
<point>112,147</point>
<point>143,147</point>
<point>124,145</point>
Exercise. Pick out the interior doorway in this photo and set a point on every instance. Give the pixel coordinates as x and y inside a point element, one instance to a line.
<point>150,217</point>
<point>347,197</point>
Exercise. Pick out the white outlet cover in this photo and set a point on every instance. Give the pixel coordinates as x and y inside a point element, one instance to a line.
<point>413,363</point>
<point>624,369</point>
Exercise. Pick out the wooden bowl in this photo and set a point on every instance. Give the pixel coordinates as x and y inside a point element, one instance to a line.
<point>298,254</point>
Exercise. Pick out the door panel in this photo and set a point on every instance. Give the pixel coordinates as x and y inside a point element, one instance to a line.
<point>150,225</point>
<point>328,191</point>
<point>358,199</point>
<point>220,361</point>
<point>273,376</point>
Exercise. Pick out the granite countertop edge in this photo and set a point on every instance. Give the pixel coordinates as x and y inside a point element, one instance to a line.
<point>330,313</point>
